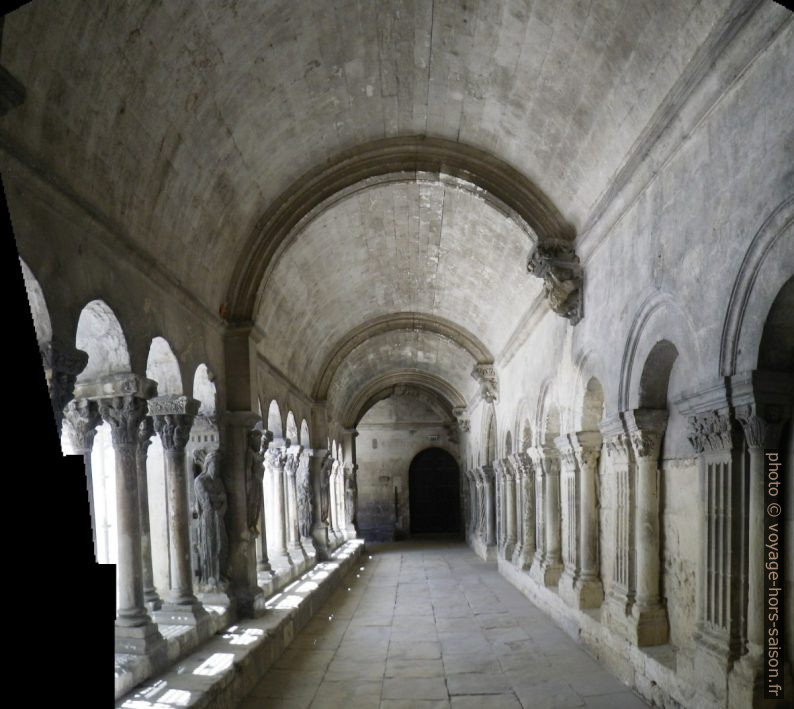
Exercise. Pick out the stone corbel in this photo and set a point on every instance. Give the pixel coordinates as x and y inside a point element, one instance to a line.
<point>485,374</point>
<point>62,363</point>
<point>558,265</point>
<point>464,424</point>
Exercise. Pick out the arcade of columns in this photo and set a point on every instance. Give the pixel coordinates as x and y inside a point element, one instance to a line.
<point>537,510</point>
<point>296,507</point>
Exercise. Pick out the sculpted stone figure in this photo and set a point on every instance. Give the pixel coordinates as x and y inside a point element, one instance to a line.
<point>325,489</point>
<point>350,495</point>
<point>304,497</point>
<point>213,543</point>
<point>254,472</point>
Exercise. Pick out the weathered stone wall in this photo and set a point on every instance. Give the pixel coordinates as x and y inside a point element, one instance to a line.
<point>390,435</point>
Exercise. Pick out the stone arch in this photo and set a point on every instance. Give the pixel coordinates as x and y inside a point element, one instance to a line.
<point>659,317</point>
<point>390,158</point>
<point>592,409</point>
<point>772,248</point>
<point>589,368</point>
<point>776,348</point>
<point>162,366</point>
<point>305,441</point>
<point>548,423</point>
<point>204,390</point>
<point>292,428</point>
<point>42,324</point>
<point>274,421</point>
<point>100,335</point>
<point>655,376</point>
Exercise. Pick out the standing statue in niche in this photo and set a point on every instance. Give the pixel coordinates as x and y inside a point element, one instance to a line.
<point>325,489</point>
<point>304,497</point>
<point>254,472</point>
<point>213,542</point>
<point>350,495</point>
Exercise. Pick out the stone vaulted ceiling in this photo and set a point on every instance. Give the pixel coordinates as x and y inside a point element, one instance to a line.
<point>186,121</point>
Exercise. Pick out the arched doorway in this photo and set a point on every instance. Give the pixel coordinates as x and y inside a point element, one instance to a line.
<point>434,492</point>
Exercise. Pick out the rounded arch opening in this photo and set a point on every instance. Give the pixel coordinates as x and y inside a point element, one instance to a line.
<point>305,441</point>
<point>274,420</point>
<point>99,334</point>
<point>162,367</point>
<point>434,493</point>
<point>42,325</point>
<point>776,349</point>
<point>655,377</point>
<point>592,405</point>
<point>292,428</point>
<point>204,390</point>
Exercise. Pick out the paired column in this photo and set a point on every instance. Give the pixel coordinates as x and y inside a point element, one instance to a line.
<point>258,443</point>
<point>589,591</point>
<point>510,509</point>
<point>525,549</point>
<point>145,433</point>
<point>549,567</point>
<point>569,519</point>
<point>646,428</point>
<point>81,418</point>
<point>275,460</point>
<point>293,532</point>
<point>121,400</point>
<point>489,492</point>
<point>173,417</point>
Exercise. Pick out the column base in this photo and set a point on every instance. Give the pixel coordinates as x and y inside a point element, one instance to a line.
<point>508,550</point>
<point>139,640</point>
<point>712,662</point>
<point>516,556</point>
<point>321,542</point>
<point>181,614</point>
<point>545,572</point>
<point>263,567</point>
<point>589,592</point>
<point>308,548</point>
<point>566,586</point>
<point>152,600</point>
<point>643,626</point>
<point>350,532</point>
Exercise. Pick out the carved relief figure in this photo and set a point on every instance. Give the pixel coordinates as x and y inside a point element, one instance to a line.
<point>304,497</point>
<point>350,495</point>
<point>254,472</point>
<point>325,484</point>
<point>213,542</point>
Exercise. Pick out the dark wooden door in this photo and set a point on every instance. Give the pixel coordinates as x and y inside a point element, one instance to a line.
<point>434,492</point>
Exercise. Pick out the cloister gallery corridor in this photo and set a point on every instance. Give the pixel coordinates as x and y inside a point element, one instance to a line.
<point>429,624</point>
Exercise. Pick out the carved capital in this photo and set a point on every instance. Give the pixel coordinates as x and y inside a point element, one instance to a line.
<point>762,426</point>
<point>124,415</point>
<point>275,457</point>
<point>81,419</point>
<point>291,464</point>
<point>485,374</point>
<point>173,417</point>
<point>618,447</point>
<point>646,444</point>
<point>487,473</point>
<point>558,265</point>
<point>711,432</point>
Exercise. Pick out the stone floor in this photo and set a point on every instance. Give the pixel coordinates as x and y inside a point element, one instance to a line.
<point>428,624</point>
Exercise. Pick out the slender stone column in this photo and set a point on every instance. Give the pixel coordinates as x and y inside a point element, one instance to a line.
<point>333,490</point>
<point>570,520</point>
<point>293,531</point>
<point>122,404</point>
<point>510,509</point>
<point>535,455</point>
<point>549,570</point>
<point>589,591</point>
<point>275,459</point>
<point>81,418</point>
<point>350,484</point>
<point>173,417</point>
<point>489,491</point>
<point>340,502</point>
<point>518,473</point>
<point>522,558</point>
<point>145,433</point>
<point>263,566</point>
<point>472,506</point>
<point>500,527</point>
<point>646,428</point>
<point>62,363</point>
